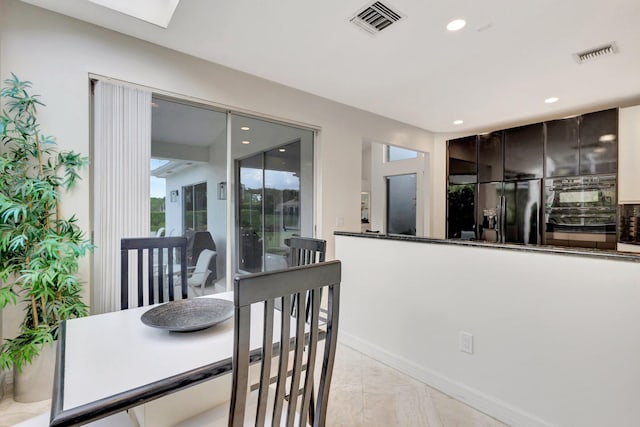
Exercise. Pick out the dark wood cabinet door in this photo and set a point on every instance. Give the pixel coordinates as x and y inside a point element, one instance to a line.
<point>462,160</point>
<point>490,157</point>
<point>599,142</point>
<point>461,201</point>
<point>523,152</point>
<point>562,153</point>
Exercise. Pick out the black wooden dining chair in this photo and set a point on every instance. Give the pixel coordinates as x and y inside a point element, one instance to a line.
<point>306,250</point>
<point>281,402</point>
<point>156,270</point>
<point>286,285</point>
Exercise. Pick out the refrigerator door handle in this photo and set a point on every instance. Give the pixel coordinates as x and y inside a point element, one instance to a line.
<point>498,225</point>
<point>538,230</point>
<point>503,220</point>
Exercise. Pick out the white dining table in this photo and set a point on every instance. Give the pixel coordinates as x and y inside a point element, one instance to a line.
<point>111,362</point>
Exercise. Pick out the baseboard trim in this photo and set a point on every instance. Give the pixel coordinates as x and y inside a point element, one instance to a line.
<point>472,397</point>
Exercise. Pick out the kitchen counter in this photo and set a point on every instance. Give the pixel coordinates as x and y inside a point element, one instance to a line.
<point>585,252</point>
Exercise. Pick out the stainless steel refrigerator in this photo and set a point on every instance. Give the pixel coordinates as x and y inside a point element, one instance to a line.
<point>509,212</point>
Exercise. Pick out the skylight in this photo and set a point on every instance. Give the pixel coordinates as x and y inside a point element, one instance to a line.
<point>157,12</point>
<point>158,163</point>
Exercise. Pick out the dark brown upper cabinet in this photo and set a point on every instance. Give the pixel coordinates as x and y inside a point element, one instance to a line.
<point>599,142</point>
<point>490,157</point>
<point>463,160</point>
<point>563,148</point>
<point>523,152</point>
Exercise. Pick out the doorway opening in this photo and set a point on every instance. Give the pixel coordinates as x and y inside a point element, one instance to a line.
<point>401,204</point>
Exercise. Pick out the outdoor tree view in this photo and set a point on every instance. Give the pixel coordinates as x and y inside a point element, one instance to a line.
<point>269,205</point>
<point>157,213</point>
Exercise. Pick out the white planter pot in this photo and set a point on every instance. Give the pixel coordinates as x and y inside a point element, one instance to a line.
<point>1,384</point>
<point>35,382</point>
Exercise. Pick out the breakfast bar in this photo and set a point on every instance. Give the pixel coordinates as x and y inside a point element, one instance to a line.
<point>514,330</point>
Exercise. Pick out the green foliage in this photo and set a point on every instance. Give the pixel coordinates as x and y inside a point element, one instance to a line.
<point>157,220</point>
<point>39,249</point>
<point>157,213</point>
<point>157,204</point>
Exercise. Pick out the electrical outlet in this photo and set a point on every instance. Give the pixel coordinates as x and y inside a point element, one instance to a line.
<point>339,221</point>
<point>466,342</point>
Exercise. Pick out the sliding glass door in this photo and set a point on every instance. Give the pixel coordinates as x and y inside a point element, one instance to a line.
<point>274,198</point>
<point>236,185</point>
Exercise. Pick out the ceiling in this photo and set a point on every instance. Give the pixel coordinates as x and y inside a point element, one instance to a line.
<point>494,73</point>
<point>178,123</point>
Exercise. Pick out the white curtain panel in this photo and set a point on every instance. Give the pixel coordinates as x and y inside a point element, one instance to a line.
<point>122,151</point>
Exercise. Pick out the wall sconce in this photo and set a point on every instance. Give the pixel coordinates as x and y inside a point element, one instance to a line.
<point>222,190</point>
<point>174,196</point>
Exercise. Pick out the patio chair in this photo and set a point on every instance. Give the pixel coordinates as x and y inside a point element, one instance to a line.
<point>198,275</point>
<point>275,404</point>
<point>198,241</point>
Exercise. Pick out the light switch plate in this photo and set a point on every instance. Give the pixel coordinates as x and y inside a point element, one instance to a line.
<point>466,342</point>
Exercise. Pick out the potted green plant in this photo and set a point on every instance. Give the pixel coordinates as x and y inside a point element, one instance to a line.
<point>39,250</point>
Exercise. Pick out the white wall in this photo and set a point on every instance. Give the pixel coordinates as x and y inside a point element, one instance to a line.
<point>556,337</point>
<point>58,54</point>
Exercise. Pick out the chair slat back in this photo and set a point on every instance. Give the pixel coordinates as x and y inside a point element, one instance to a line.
<point>155,248</point>
<point>286,285</point>
<point>305,250</point>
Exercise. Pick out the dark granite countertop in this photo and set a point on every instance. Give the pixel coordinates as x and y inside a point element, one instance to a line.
<point>596,253</point>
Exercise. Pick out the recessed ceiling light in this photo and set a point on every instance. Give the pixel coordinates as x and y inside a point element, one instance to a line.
<point>246,142</point>
<point>458,122</point>
<point>245,128</point>
<point>551,100</point>
<point>608,137</point>
<point>456,25</point>
<point>282,150</point>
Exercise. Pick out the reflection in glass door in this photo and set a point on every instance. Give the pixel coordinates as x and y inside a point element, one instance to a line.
<point>401,204</point>
<point>282,202</point>
<point>250,212</point>
<point>269,207</point>
<point>274,172</point>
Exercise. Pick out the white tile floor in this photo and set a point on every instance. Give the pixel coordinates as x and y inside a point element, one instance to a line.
<point>364,392</point>
<point>12,412</point>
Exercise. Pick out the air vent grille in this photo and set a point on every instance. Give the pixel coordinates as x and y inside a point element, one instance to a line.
<point>598,52</point>
<point>376,17</point>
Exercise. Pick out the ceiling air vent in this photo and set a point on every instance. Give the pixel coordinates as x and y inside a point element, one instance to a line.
<point>376,17</point>
<point>598,52</point>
